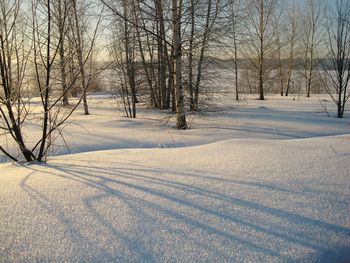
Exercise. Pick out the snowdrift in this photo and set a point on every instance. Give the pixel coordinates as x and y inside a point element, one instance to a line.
<point>229,201</point>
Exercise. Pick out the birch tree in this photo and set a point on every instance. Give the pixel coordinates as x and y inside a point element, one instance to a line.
<point>177,6</point>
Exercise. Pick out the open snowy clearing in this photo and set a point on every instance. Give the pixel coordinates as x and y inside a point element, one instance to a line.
<point>230,201</point>
<point>276,118</point>
<point>249,182</point>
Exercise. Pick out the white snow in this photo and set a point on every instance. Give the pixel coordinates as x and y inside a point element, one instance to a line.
<point>276,118</point>
<point>257,182</point>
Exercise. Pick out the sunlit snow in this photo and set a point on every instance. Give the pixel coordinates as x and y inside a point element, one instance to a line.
<point>249,182</point>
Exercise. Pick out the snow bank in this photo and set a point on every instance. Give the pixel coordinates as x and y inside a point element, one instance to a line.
<point>230,201</point>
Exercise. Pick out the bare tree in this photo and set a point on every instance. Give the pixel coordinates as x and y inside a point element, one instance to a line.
<point>234,13</point>
<point>60,14</point>
<point>177,43</point>
<point>337,66</point>
<point>292,39</point>
<point>17,106</point>
<point>129,45</point>
<point>210,18</point>
<point>170,51</point>
<point>162,53</point>
<point>78,29</point>
<point>312,24</point>
<point>13,111</point>
<point>124,48</point>
<point>281,42</point>
<point>191,48</point>
<point>261,38</point>
<point>232,38</point>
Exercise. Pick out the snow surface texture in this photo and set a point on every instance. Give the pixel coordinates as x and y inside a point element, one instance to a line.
<point>229,201</point>
<point>250,186</point>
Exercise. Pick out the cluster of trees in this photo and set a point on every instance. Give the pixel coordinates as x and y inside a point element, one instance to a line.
<point>275,41</point>
<point>46,52</point>
<point>159,47</point>
<point>158,50</point>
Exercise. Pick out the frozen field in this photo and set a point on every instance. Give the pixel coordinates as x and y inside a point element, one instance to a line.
<point>249,182</point>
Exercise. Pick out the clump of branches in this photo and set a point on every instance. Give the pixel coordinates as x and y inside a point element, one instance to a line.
<point>335,72</point>
<point>30,47</point>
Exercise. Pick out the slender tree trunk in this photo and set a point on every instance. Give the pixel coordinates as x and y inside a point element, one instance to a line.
<point>129,61</point>
<point>293,31</point>
<point>314,9</point>
<point>47,85</point>
<point>171,80</point>
<point>261,52</point>
<point>236,64</point>
<point>14,127</point>
<point>63,73</point>
<point>161,55</point>
<point>309,75</point>
<point>190,57</point>
<point>280,70</point>
<point>290,69</point>
<point>148,70</point>
<point>61,28</point>
<point>180,107</point>
<point>201,56</point>
<point>80,58</point>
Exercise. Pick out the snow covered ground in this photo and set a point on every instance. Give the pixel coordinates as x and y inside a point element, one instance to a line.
<point>257,182</point>
<point>276,118</point>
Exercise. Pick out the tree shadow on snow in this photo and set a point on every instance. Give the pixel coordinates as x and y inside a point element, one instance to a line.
<point>217,225</point>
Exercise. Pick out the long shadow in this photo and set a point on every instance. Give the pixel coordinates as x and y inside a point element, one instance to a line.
<point>87,175</point>
<point>142,203</point>
<point>278,133</point>
<point>74,233</point>
<point>130,174</point>
<point>268,113</point>
<point>132,202</point>
<point>52,208</point>
<point>299,118</point>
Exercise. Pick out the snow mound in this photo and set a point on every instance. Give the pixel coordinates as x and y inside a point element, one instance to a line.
<point>230,201</point>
